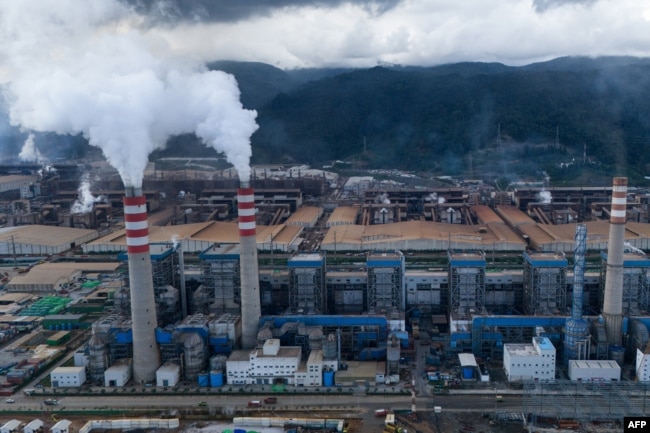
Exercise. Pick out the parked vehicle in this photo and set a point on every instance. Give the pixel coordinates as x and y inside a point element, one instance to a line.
<point>270,400</point>
<point>10,400</point>
<point>254,403</point>
<point>51,401</point>
<point>381,412</point>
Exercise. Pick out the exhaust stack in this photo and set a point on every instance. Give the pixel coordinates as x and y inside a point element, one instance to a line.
<point>250,292</point>
<point>613,297</point>
<point>146,354</point>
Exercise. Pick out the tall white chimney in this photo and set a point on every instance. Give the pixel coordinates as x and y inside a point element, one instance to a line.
<point>146,354</point>
<point>613,299</point>
<point>251,310</point>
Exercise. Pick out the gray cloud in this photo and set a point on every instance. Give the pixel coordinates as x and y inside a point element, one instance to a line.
<point>544,5</point>
<point>171,11</point>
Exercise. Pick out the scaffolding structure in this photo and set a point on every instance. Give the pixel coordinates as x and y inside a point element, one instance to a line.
<point>220,275</point>
<point>386,289</point>
<point>466,283</point>
<point>636,290</point>
<point>165,282</point>
<point>307,284</point>
<point>544,283</point>
<point>585,401</point>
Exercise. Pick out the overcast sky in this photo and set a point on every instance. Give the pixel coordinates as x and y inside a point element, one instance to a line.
<point>365,33</point>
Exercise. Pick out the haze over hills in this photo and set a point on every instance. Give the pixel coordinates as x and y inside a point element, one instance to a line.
<point>573,117</point>
<point>481,119</point>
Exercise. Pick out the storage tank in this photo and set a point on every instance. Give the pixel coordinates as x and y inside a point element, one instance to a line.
<point>263,335</point>
<point>216,378</point>
<point>316,339</point>
<point>97,357</point>
<point>218,362</point>
<point>617,353</point>
<point>193,355</point>
<point>203,380</point>
<point>329,347</point>
<point>328,377</point>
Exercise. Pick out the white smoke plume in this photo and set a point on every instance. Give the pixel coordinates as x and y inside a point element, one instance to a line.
<point>630,247</point>
<point>382,198</point>
<point>175,241</point>
<point>30,152</point>
<point>433,197</point>
<point>441,200</point>
<point>78,66</point>
<point>86,199</point>
<point>544,196</point>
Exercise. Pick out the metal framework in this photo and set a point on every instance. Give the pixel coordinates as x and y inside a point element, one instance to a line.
<point>222,284</point>
<point>544,284</point>
<point>466,283</point>
<point>307,284</point>
<point>585,401</point>
<point>636,290</point>
<point>385,293</point>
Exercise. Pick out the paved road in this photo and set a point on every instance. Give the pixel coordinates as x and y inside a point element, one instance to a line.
<point>455,403</point>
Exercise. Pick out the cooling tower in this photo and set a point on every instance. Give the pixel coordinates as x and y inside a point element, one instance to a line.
<point>146,354</point>
<point>613,299</point>
<point>250,291</point>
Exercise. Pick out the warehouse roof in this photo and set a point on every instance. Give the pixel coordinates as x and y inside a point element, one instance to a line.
<point>343,215</point>
<point>413,230</point>
<point>206,232</point>
<point>513,216</point>
<point>305,215</point>
<point>45,235</point>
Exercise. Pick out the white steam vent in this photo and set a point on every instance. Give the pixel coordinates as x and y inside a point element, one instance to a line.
<point>85,199</point>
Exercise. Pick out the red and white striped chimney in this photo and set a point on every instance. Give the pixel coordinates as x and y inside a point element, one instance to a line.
<point>613,297</point>
<point>146,354</point>
<point>249,274</point>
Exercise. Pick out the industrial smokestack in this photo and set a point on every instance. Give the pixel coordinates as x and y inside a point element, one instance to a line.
<point>613,302</point>
<point>146,355</point>
<point>250,281</point>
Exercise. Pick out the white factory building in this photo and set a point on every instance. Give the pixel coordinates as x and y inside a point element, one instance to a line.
<point>264,366</point>
<point>643,365</point>
<point>68,377</point>
<point>605,370</point>
<point>118,374</point>
<point>529,361</point>
<point>168,375</point>
<point>273,363</point>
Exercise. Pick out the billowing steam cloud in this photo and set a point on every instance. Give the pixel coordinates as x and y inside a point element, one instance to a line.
<point>544,196</point>
<point>77,66</point>
<point>86,199</point>
<point>30,152</point>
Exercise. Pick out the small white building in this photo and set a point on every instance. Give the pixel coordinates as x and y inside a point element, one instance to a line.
<point>68,377</point>
<point>81,358</point>
<point>264,366</point>
<point>118,374</point>
<point>594,370</point>
<point>643,365</point>
<point>168,375</point>
<point>62,426</point>
<point>310,373</point>
<point>530,361</point>
<point>11,426</point>
<point>34,426</point>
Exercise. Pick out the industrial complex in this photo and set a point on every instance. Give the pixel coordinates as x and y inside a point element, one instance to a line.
<point>303,277</point>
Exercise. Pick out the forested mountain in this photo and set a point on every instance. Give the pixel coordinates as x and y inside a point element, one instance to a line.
<point>454,118</point>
